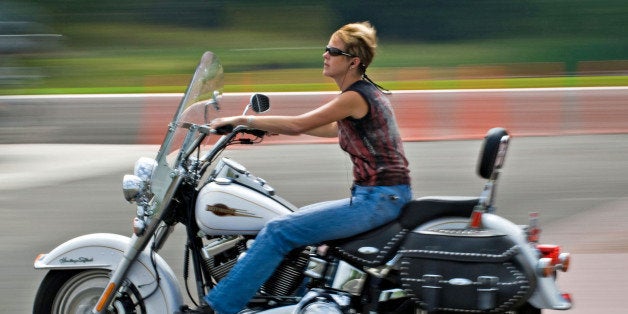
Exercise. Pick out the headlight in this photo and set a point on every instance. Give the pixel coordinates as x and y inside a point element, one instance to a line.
<point>144,168</point>
<point>131,187</point>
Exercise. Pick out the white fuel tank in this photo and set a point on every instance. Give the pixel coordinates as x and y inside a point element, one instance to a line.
<point>237,202</point>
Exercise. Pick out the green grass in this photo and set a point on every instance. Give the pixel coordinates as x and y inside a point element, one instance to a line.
<point>124,58</point>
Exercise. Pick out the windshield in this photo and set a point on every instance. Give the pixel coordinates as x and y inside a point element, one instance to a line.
<point>200,102</point>
<point>199,105</point>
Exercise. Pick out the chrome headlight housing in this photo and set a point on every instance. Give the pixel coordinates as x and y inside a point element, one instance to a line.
<point>132,185</point>
<point>144,168</point>
<point>137,185</point>
<point>136,188</point>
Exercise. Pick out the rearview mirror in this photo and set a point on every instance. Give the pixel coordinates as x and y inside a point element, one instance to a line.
<point>214,102</point>
<point>493,152</point>
<point>260,103</point>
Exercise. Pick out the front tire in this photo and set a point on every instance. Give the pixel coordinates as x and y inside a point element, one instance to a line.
<point>78,291</point>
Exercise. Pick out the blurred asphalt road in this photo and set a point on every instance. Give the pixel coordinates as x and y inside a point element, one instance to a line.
<point>52,192</point>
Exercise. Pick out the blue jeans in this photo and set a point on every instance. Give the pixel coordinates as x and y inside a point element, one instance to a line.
<point>369,207</point>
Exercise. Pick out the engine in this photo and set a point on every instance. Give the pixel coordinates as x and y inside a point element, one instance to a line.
<point>288,276</point>
<point>221,254</point>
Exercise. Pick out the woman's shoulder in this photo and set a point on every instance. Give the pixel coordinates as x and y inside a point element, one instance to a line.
<point>362,87</point>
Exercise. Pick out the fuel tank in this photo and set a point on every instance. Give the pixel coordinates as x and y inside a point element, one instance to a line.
<point>234,201</point>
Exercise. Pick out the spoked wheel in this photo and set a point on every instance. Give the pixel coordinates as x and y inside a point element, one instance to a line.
<point>74,292</point>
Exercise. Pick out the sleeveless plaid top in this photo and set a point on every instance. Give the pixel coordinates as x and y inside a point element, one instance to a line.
<point>373,142</point>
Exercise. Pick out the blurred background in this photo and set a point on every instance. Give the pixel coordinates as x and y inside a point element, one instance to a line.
<point>91,46</point>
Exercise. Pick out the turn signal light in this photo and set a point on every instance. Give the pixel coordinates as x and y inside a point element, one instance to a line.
<point>552,259</point>
<point>544,267</point>
<point>103,299</point>
<point>40,256</point>
<point>138,226</point>
<point>564,260</point>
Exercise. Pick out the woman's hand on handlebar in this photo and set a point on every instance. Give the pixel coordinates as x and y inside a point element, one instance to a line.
<point>233,121</point>
<point>225,125</point>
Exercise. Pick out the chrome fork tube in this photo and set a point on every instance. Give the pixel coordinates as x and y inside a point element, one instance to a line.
<point>136,246</point>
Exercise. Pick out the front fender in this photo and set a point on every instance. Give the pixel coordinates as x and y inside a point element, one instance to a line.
<point>105,251</point>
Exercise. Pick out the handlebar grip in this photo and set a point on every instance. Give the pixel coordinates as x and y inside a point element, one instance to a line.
<point>225,129</point>
<point>256,132</point>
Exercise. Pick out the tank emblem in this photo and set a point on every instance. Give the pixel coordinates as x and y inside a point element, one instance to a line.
<point>223,210</point>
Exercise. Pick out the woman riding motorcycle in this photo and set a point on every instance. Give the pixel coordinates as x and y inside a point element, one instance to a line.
<point>363,120</point>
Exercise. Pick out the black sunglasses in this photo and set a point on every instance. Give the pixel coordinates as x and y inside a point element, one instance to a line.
<point>337,52</point>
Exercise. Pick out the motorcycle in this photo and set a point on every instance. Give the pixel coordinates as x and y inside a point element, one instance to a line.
<point>441,255</point>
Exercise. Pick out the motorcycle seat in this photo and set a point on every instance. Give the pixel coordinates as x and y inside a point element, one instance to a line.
<point>375,247</point>
<point>425,209</point>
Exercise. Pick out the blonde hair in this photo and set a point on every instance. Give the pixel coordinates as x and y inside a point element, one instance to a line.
<point>360,40</point>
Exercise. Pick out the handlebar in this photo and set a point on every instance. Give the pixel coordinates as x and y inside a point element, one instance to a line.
<point>226,138</point>
<point>223,130</point>
<point>226,129</point>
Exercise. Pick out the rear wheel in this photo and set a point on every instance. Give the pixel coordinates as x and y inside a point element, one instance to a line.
<point>78,291</point>
<point>527,308</point>
<point>524,309</point>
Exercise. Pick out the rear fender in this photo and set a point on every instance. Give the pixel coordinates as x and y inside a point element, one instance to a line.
<point>546,294</point>
<point>105,251</point>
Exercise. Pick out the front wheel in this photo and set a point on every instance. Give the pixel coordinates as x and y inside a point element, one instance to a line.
<point>78,291</point>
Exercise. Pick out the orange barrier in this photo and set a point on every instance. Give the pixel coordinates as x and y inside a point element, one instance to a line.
<point>448,114</point>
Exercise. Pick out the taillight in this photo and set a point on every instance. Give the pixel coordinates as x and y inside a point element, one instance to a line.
<point>476,219</point>
<point>552,259</point>
<point>550,251</point>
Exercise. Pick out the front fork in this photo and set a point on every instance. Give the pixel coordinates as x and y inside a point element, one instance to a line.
<point>137,245</point>
<point>116,283</point>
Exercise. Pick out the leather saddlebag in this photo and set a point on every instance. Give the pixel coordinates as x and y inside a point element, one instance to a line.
<point>464,270</point>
